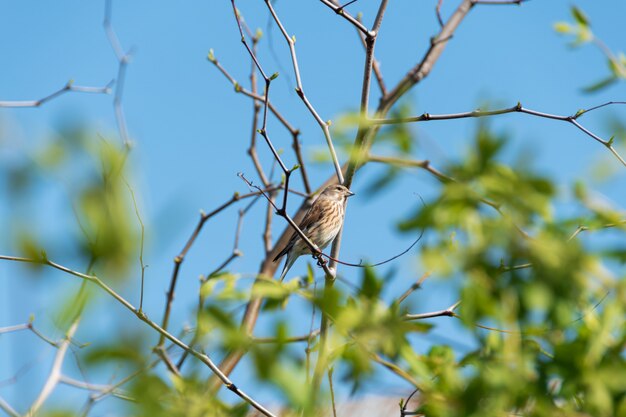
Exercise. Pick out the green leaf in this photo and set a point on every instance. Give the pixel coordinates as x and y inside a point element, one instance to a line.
<point>579,16</point>
<point>563,27</point>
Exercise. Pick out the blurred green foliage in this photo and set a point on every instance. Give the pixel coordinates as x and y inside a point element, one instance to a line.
<point>73,171</point>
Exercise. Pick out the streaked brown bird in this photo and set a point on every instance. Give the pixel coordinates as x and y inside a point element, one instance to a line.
<point>320,224</point>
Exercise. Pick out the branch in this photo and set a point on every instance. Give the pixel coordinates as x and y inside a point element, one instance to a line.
<point>448,312</point>
<point>573,119</point>
<point>300,91</point>
<point>293,339</point>
<point>341,12</point>
<point>94,387</point>
<point>55,372</point>
<point>69,87</point>
<point>205,359</point>
<point>424,164</point>
<point>8,409</point>
<point>123,58</point>
<point>415,286</point>
<point>178,260</point>
<point>31,327</point>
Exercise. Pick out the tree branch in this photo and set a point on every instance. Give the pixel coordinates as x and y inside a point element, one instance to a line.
<point>205,359</point>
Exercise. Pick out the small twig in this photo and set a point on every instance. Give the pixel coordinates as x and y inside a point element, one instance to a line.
<point>415,286</point>
<point>94,387</point>
<point>332,390</point>
<point>518,108</point>
<point>498,2</point>
<point>292,339</point>
<point>424,164</point>
<point>29,326</point>
<point>341,12</point>
<point>178,260</point>
<point>161,353</point>
<point>404,404</point>
<point>394,368</point>
<point>309,341</point>
<point>143,266</point>
<point>123,58</point>
<point>300,91</point>
<point>67,88</point>
<point>252,95</point>
<point>448,312</point>
<point>55,372</point>
<point>256,108</point>
<point>6,407</point>
<point>362,265</point>
<point>236,252</point>
<point>438,12</point>
<point>375,65</point>
<point>582,228</point>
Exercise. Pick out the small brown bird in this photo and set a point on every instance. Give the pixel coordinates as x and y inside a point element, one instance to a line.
<point>320,224</point>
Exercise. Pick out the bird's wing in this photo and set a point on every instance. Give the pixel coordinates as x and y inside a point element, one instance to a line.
<point>310,217</point>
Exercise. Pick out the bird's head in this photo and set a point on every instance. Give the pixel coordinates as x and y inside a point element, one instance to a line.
<point>336,192</point>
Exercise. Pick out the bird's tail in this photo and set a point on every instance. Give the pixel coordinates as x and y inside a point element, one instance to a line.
<point>288,263</point>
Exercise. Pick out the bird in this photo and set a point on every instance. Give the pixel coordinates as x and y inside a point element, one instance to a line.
<point>320,224</point>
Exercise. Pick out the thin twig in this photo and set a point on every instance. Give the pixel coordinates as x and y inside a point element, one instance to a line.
<point>332,390</point>
<point>178,260</point>
<point>123,58</point>
<point>415,286</point>
<point>141,245</point>
<point>518,108</point>
<point>300,91</point>
<point>6,407</point>
<point>292,339</point>
<point>55,372</point>
<point>29,326</point>
<point>94,387</point>
<point>69,87</point>
<point>394,368</point>
<point>448,312</point>
<point>341,12</point>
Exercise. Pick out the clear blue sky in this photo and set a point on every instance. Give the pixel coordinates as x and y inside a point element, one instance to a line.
<point>191,130</point>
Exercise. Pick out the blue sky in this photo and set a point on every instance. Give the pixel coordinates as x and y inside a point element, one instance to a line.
<point>191,130</point>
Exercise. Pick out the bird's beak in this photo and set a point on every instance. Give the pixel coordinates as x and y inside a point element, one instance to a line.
<point>350,193</point>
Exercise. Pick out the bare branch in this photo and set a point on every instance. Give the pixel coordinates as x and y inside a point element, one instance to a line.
<point>448,312</point>
<point>4,406</point>
<point>518,108</point>
<point>293,339</point>
<point>332,391</point>
<point>69,87</point>
<point>415,286</point>
<point>341,12</point>
<point>123,58</point>
<point>94,387</point>
<point>29,326</point>
<point>300,91</point>
<point>55,372</point>
<point>178,260</point>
